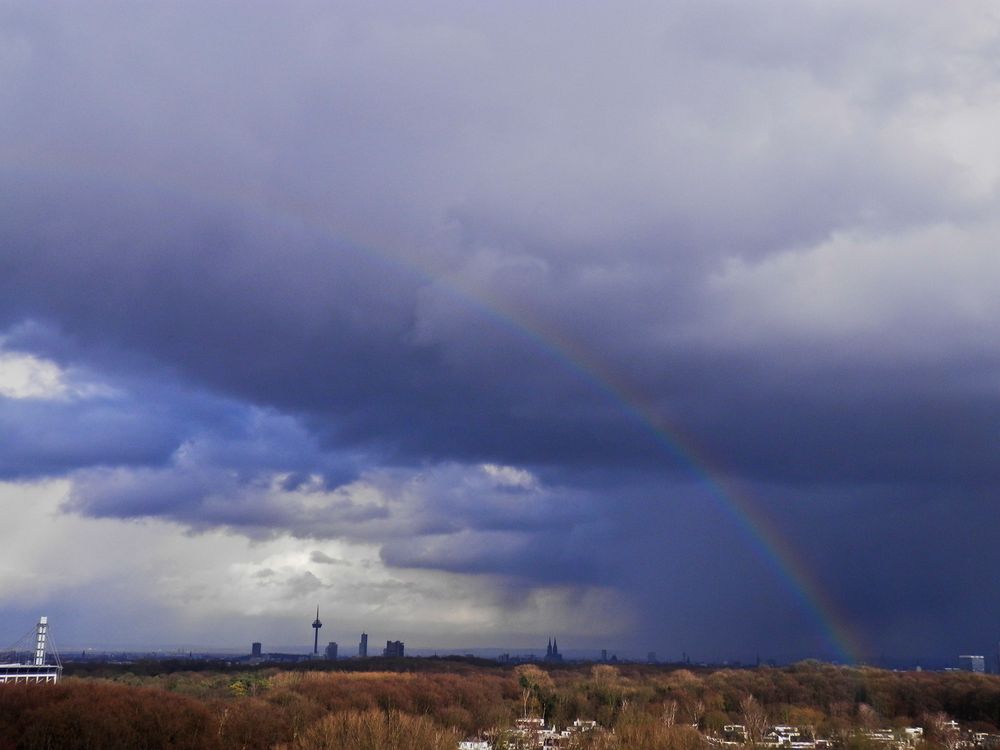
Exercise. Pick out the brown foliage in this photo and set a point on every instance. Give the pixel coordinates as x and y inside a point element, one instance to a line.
<point>640,731</point>
<point>374,730</point>
<point>102,717</point>
<point>645,706</point>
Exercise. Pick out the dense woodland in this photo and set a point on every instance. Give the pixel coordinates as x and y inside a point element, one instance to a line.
<point>430,704</point>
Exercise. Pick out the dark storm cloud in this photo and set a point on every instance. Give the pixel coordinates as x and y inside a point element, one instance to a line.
<point>331,333</point>
<point>323,250</point>
<point>279,317</point>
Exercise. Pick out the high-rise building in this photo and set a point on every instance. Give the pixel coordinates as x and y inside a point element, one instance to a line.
<point>331,651</point>
<point>972,663</point>
<point>363,646</point>
<point>255,649</point>
<point>393,649</point>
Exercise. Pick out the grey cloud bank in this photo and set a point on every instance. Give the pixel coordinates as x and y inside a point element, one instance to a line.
<point>384,275</point>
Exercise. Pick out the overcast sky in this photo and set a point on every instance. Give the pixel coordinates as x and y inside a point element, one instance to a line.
<point>661,326</point>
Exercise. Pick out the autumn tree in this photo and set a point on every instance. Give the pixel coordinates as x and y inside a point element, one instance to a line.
<point>535,684</point>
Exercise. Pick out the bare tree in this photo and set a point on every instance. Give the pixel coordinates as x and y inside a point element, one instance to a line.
<point>670,712</point>
<point>867,717</point>
<point>605,675</point>
<point>942,729</point>
<point>754,718</point>
<point>695,710</point>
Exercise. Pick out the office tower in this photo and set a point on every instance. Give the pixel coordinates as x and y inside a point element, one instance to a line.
<point>972,663</point>
<point>393,649</point>
<point>363,646</point>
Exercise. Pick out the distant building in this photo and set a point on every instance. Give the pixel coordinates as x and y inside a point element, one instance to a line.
<point>331,651</point>
<point>552,652</point>
<point>734,733</point>
<point>316,626</point>
<point>393,649</point>
<point>972,663</point>
<point>255,649</point>
<point>363,646</point>
<point>287,658</point>
<point>604,654</point>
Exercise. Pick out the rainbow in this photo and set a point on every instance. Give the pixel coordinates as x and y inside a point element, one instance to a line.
<point>769,543</point>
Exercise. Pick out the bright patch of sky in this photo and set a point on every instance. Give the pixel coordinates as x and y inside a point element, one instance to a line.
<point>27,376</point>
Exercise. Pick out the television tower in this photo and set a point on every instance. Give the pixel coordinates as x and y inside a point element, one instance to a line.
<point>316,626</point>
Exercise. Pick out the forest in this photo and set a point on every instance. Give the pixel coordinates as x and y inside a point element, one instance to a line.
<point>432,704</point>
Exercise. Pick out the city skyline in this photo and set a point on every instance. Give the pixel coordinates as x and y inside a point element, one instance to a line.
<point>662,328</point>
<point>505,654</point>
